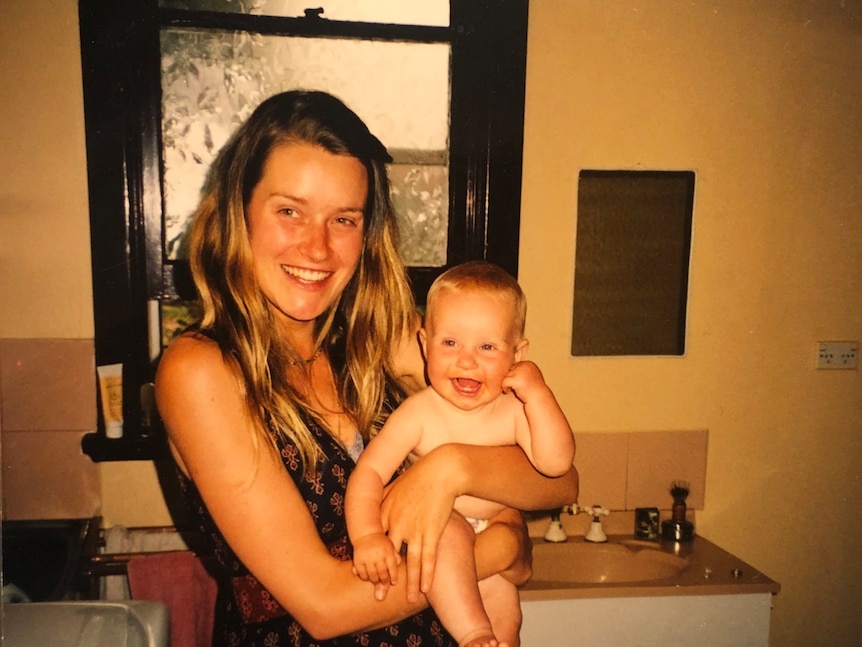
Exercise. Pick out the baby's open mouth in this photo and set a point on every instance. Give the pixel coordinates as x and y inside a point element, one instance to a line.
<point>466,386</point>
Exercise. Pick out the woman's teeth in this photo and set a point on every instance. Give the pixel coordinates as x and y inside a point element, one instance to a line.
<point>310,276</point>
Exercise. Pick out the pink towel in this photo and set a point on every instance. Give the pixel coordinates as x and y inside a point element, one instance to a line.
<point>178,580</point>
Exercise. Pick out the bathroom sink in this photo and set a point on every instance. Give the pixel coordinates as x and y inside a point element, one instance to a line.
<point>85,624</point>
<point>42,557</point>
<point>612,563</point>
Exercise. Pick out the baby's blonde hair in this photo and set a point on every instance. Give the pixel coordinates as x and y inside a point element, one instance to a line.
<point>482,276</point>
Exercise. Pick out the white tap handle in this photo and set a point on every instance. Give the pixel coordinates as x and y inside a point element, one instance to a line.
<point>596,510</point>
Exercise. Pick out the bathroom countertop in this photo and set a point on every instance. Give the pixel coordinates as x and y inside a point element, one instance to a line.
<point>708,570</point>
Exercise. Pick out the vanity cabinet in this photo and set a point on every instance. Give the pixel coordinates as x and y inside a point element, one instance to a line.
<point>696,620</point>
<point>635,593</point>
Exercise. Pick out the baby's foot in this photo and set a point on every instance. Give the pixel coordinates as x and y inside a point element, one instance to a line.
<point>481,638</point>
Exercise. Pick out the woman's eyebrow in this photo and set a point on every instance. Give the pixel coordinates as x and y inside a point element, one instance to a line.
<point>303,201</point>
<point>288,196</point>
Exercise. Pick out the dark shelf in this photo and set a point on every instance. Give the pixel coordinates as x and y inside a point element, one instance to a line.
<point>128,448</point>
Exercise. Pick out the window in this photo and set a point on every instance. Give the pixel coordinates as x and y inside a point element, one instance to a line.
<point>126,48</point>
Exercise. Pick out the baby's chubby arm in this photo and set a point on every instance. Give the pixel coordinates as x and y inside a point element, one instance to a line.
<point>375,559</point>
<point>544,433</point>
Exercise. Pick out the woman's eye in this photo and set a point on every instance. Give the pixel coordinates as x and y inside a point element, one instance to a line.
<point>287,211</point>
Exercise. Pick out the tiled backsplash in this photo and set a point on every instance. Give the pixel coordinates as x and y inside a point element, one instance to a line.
<point>628,470</point>
<point>47,403</point>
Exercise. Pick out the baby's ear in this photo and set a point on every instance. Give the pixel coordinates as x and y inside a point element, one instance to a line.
<point>422,340</point>
<point>521,349</point>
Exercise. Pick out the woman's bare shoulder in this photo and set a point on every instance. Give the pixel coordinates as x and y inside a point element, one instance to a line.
<point>201,404</point>
<point>193,372</point>
<point>191,343</point>
<point>190,356</point>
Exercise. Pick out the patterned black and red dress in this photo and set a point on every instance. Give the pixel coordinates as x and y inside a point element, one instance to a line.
<point>247,615</point>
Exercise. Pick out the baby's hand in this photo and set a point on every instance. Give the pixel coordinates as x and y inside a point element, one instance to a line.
<point>375,559</point>
<point>524,379</point>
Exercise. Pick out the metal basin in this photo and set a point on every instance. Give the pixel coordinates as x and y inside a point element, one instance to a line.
<point>86,624</point>
<point>612,563</point>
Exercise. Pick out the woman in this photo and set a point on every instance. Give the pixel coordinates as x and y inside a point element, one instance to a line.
<point>306,342</point>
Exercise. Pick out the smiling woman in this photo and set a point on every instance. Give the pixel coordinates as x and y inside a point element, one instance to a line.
<point>307,342</point>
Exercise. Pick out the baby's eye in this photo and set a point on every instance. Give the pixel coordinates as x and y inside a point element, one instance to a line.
<point>487,346</point>
<point>449,342</point>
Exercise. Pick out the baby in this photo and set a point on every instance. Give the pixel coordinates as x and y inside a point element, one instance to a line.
<point>481,393</point>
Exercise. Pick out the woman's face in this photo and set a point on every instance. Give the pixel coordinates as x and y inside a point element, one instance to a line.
<point>305,220</point>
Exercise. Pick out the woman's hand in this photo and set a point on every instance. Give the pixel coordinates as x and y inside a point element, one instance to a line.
<point>416,508</point>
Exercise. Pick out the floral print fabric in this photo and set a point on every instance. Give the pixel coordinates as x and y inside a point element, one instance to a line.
<point>247,615</point>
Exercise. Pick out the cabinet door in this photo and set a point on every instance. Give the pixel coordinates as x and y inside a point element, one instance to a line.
<point>683,620</point>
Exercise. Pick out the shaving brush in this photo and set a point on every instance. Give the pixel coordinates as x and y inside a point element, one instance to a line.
<point>678,528</point>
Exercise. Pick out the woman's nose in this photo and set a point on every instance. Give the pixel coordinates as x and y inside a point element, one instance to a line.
<point>316,242</point>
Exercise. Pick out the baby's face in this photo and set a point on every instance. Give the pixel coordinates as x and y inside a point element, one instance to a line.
<point>470,346</point>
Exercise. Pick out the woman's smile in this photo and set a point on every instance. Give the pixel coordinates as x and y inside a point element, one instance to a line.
<point>305,275</point>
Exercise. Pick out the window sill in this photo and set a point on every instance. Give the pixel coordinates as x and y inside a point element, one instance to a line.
<point>131,447</point>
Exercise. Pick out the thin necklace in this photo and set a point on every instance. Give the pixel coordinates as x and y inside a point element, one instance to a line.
<point>305,362</point>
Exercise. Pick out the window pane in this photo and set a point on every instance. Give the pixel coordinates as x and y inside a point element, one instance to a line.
<point>420,194</point>
<point>398,12</point>
<point>213,80</point>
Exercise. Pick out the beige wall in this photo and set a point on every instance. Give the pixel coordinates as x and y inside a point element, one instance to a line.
<point>763,105</point>
<point>47,396</point>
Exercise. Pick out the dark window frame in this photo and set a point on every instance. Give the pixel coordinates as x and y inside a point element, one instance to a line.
<point>121,83</point>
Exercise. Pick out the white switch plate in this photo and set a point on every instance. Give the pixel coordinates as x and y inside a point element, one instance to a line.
<point>837,354</point>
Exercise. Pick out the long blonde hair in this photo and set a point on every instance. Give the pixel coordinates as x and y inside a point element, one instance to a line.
<point>357,332</point>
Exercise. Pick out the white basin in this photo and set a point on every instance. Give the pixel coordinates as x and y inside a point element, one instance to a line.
<point>611,563</point>
<point>86,624</point>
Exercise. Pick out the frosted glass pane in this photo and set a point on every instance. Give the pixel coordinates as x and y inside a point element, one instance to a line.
<point>397,12</point>
<point>212,81</point>
<point>421,198</point>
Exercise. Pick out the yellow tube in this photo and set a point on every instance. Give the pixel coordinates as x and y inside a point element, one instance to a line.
<point>111,390</point>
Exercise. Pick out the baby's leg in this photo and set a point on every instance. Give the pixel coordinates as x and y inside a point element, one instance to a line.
<point>454,593</point>
<point>503,605</point>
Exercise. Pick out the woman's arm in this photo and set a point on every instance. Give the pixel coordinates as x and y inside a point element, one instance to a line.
<point>417,505</point>
<point>255,502</point>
